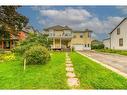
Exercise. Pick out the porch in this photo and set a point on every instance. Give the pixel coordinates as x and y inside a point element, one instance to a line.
<point>61,44</point>
<point>7,44</point>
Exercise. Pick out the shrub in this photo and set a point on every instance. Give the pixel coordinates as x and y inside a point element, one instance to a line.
<point>7,56</point>
<point>37,55</point>
<point>73,49</point>
<point>21,49</point>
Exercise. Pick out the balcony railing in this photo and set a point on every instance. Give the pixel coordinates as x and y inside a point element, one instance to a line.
<point>61,36</point>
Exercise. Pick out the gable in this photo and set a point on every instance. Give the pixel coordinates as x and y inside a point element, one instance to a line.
<point>125,19</point>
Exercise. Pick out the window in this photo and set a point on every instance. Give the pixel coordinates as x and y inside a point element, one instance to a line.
<point>118,31</point>
<point>89,35</point>
<point>81,36</point>
<point>121,42</point>
<point>88,45</point>
<point>85,45</point>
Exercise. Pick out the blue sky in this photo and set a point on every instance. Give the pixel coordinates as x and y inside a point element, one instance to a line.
<point>100,19</point>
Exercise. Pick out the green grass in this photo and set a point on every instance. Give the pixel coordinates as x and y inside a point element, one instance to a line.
<point>49,76</point>
<point>121,52</point>
<point>94,76</point>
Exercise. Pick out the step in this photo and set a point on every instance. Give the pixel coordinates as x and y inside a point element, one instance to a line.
<point>70,75</point>
<point>68,59</point>
<point>73,82</point>
<point>68,62</point>
<point>69,69</point>
<point>69,65</point>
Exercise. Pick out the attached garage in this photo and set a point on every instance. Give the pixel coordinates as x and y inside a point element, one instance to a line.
<point>81,47</point>
<point>78,47</point>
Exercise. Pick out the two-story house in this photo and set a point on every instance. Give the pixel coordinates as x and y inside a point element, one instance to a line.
<point>118,36</point>
<point>64,37</point>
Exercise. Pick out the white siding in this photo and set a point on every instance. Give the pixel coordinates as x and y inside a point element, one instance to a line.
<point>115,38</point>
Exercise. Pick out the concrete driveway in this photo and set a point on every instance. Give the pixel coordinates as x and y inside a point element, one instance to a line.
<point>118,62</point>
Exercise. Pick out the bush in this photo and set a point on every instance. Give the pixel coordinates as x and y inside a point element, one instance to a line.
<point>7,56</point>
<point>73,49</point>
<point>100,46</point>
<point>37,55</point>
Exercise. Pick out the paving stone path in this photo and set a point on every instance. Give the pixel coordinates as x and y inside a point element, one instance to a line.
<point>72,80</point>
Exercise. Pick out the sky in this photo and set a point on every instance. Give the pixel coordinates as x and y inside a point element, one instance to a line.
<point>100,19</point>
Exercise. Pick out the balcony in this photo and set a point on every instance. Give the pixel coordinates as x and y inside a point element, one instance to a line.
<point>62,36</point>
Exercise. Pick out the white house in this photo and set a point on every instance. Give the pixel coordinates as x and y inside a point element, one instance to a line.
<point>118,36</point>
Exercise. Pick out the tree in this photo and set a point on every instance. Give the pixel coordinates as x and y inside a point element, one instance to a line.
<point>33,40</point>
<point>95,44</point>
<point>11,19</point>
<point>37,39</point>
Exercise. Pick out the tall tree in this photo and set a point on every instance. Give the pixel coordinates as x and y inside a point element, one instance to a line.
<point>11,19</point>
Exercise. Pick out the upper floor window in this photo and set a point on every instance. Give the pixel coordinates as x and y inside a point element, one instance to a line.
<point>121,42</point>
<point>81,36</point>
<point>118,31</point>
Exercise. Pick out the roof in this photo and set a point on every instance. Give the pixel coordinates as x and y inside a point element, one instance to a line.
<point>106,39</point>
<point>58,27</point>
<point>118,25</point>
<point>86,30</point>
<point>14,37</point>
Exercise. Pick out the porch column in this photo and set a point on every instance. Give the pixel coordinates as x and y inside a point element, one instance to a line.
<point>54,43</point>
<point>10,44</point>
<point>71,45</point>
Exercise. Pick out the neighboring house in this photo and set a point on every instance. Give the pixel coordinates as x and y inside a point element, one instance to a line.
<point>106,43</point>
<point>9,40</point>
<point>118,36</point>
<point>65,38</point>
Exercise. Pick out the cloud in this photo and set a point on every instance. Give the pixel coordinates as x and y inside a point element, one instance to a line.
<point>78,19</point>
<point>66,16</point>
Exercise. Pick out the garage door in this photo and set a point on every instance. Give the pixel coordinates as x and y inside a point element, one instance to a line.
<point>78,47</point>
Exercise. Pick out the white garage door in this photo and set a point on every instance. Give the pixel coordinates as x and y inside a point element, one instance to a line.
<point>79,47</point>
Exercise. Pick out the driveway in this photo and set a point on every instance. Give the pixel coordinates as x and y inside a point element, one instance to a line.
<point>118,62</point>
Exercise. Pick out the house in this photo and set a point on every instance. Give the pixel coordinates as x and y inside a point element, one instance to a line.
<point>118,36</point>
<point>10,39</point>
<point>106,43</point>
<point>65,38</point>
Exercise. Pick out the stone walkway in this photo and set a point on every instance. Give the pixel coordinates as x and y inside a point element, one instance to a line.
<point>72,80</point>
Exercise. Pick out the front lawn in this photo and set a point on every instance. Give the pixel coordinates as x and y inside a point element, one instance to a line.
<point>121,52</point>
<point>48,76</point>
<point>94,76</point>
